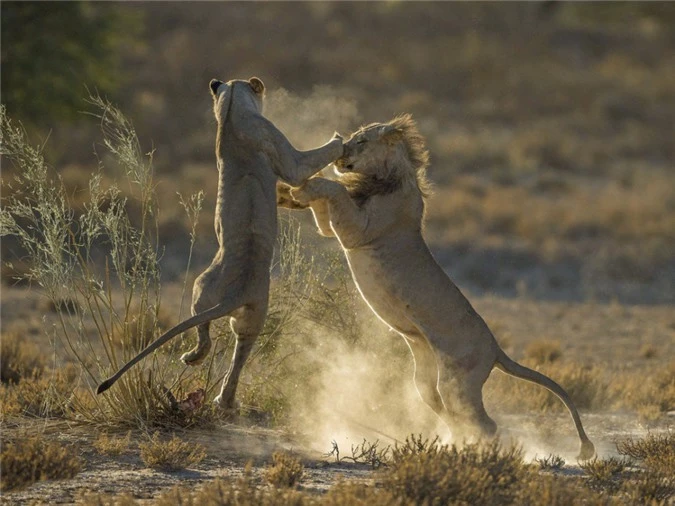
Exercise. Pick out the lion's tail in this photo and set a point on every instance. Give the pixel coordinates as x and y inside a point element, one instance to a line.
<point>217,311</point>
<point>509,366</point>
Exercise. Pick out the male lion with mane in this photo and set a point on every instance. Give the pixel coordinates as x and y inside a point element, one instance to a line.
<point>376,212</point>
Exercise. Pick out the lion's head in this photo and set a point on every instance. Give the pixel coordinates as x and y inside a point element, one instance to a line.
<point>381,158</point>
<point>248,93</point>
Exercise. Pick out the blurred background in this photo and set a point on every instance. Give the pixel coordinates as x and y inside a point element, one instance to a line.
<point>550,124</point>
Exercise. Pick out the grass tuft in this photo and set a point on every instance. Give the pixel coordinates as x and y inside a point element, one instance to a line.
<point>424,472</point>
<point>112,445</point>
<point>285,472</point>
<point>550,463</point>
<point>19,359</point>
<point>34,459</point>
<point>543,351</point>
<point>601,470</point>
<point>172,454</point>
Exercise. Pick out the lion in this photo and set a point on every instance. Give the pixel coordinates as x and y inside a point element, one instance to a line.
<point>375,209</point>
<point>251,155</point>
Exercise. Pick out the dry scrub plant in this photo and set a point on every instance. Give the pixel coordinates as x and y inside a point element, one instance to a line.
<point>96,267</point>
<point>32,459</point>
<point>112,445</point>
<point>19,359</point>
<point>99,268</point>
<point>286,470</point>
<point>172,454</point>
<point>363,453</point>
<point>656,453</point>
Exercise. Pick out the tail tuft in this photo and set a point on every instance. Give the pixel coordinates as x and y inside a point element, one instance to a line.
<point>103,387</point>
<point>587,450</point>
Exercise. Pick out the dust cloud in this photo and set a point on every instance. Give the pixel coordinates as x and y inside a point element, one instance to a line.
<point>360,391</point>
<point>309,121</point>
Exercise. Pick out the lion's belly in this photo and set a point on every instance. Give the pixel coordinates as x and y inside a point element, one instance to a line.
<point>408,289</point>
<point>384,297</point>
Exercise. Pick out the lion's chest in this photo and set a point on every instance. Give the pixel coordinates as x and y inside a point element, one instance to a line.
<point>373,276</point>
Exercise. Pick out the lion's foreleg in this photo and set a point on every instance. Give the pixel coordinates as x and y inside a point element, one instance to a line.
<point>347,220</point>
<point>293,166</point>
<point>322,217</point>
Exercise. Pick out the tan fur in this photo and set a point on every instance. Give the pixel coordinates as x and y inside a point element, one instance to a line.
<point>381,235</point>
<point>251,153</point>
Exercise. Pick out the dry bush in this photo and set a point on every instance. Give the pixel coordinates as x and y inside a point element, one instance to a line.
<point>286,470</point>
<point>552,462</point>
<point>32,459</point>
<point>542,351</point>
<point>172,454</point>
<point>557,491</point>
<point>656,482</point>
<point>360,494</point>
<point>115,445</point>
<point>653,396</point>
<point>118,295</point>
<point>423,472</point>
<point>19,359</point>
<point>239,492</point>
<point>94,499</point>
<point>48,395</point>
<point>656,451</point>
<point>648,351</point>
<point>650,488</point>
<point>363,453</point>
<point>604,469</point>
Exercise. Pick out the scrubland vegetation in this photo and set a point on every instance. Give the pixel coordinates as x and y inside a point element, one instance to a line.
<point>551,140</point>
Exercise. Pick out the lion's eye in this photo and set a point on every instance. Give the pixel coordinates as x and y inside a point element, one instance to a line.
<point>361,141</point>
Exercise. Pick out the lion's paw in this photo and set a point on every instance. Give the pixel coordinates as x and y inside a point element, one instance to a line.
<point>196,355</point>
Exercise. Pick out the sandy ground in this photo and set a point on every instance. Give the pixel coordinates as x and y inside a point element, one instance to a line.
<point>604,334</point>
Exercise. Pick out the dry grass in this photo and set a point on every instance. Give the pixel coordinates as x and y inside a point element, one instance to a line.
<point>423,472</point>
<point>604,469</point>
<point>32,459</point>
<point>651,395</point>
<point>285,472</point>
<point>656,453</point>
<point>542,351</point>
<point>552,462</point>
<point>19,359</point>
<point>240,492</point>
<point>47,395</point>
<point>112,445</point>
<point>171,454</point>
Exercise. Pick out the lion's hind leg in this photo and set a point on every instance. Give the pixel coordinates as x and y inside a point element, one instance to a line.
<point>471,407</point>
<point>426,377</point>
<point>247,325</point>
<point>197,354</point>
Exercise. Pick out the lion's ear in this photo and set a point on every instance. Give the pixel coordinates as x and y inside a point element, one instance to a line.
<point>214,84</point>
<point>257,85</point>
<point>389,132</point>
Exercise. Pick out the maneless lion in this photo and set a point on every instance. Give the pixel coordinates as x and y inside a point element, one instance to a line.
<point>252,153</point>
<point>376,212</point>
